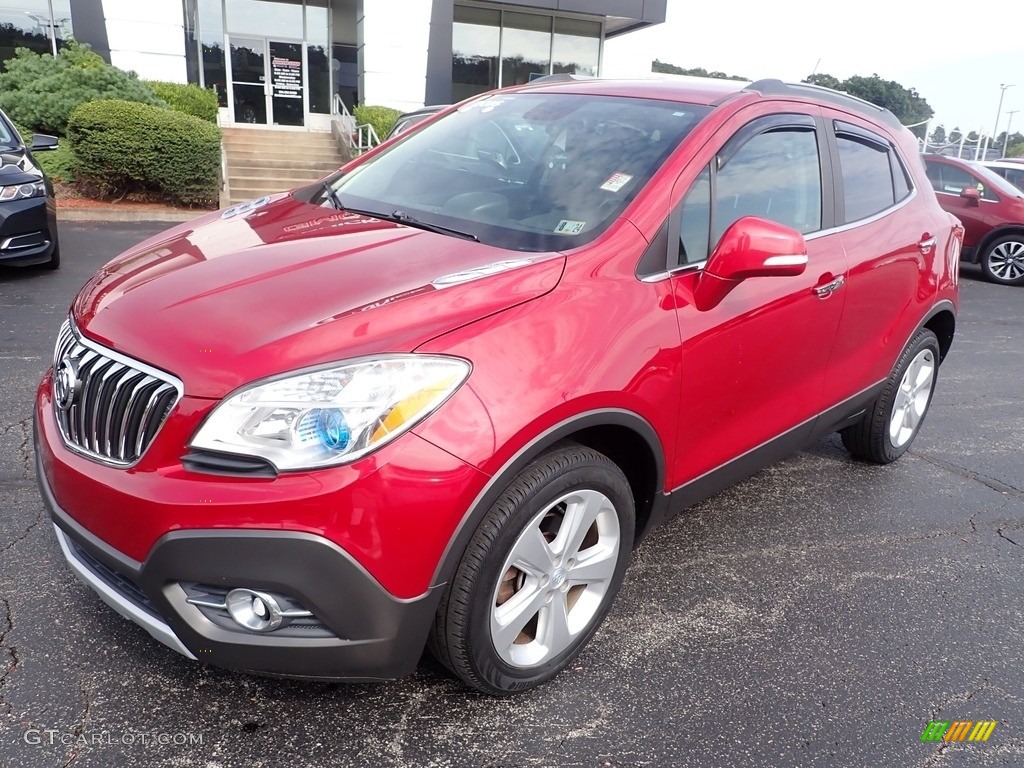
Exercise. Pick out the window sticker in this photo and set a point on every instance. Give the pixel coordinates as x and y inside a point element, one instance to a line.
<point>566,227</point>
<point>616,182</point>
<point>485,105</point>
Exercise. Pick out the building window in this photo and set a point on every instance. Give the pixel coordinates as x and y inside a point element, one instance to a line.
<point>576,48</point>
<point>318,56</point>
<point>525,48</point>
<point>28,24</point>
<point>211,36</point>
<point>528,45</point>
<point>476,36</point>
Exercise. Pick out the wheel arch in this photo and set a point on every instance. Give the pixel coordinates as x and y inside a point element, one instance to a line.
<point>942,322</point>
<point>992,236</point>
<point>623,436</point>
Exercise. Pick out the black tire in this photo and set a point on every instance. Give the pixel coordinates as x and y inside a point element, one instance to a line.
<point>1003,260</point>
<point>461,637</point>
<point>54,262</point>
<point>871,438</point>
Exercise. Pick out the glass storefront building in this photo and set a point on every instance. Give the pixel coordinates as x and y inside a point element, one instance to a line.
<point>289,63</point>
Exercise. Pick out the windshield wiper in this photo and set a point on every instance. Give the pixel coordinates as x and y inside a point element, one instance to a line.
<point>404,218</point>
<point>401,217</point>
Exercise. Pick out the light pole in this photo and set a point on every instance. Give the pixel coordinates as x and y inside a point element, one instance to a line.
<point>1009,121</point>
<point>999,110</point>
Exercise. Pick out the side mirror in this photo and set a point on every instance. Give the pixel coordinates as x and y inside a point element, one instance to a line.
<point>42,142</point>
<point>750,247</point>
<point>971,195</point>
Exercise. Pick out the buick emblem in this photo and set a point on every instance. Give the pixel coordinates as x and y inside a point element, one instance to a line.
<point>66,384</point>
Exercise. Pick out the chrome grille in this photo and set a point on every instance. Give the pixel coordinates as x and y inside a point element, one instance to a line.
<point>120,403</point>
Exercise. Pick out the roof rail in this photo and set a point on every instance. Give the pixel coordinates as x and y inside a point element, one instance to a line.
<point>772,87</point>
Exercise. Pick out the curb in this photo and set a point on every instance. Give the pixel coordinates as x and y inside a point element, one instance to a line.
<point>116,214</point>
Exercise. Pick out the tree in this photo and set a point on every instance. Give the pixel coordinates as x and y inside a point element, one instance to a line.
<point>938,136</point>
<point>906,103</point>
<point>825,81</point>
<point>40,91</point>
<point>955,136</point>
<point>671,69</point>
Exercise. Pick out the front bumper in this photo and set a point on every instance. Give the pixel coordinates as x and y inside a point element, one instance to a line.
<point>28,231</point>
<point>367,633</point>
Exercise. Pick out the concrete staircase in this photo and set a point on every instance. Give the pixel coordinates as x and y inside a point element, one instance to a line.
<point>263,161</point>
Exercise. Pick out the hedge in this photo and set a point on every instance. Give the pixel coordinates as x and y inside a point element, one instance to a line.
<point>381,118</point>
<point>40,92</point>
<point>190,99</point>
<point>125,147</point>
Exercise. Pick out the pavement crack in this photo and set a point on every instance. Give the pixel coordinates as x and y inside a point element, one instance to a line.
<point>992,483</point>
<point>78,733</point>
<point>24,427</point>
<point>1004,536</point>
<point>6,627</point>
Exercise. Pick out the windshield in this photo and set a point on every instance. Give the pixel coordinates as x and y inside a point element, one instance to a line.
<point>523,171</point>
<point>7,135</point>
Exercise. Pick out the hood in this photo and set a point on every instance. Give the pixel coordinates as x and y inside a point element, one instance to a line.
<point>279,285</point>
<point>16,167</point>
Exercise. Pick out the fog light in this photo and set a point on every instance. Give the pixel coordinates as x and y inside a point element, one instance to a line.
<point>254,610</point>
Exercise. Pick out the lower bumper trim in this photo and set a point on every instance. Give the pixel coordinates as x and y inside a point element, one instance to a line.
<point>158,629</point>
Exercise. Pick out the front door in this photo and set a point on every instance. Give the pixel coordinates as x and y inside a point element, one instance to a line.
<point>267,81</point>
<point>754,365</point>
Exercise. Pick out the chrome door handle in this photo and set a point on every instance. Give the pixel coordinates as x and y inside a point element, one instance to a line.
<point>926,245</point>
<point>826,290</point>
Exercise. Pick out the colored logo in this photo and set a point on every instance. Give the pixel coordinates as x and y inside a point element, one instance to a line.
<point>958,730</point>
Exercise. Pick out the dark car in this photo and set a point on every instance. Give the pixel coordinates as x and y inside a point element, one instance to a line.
<point>409,119</point>
<point>435,399</point>
<point>28,211</point>
<point>992,212</point>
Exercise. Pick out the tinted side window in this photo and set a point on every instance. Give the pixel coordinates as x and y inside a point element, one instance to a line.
<point>1014,176</point>
<point>775,175</point>
<point>867,176</point>
<point>900,177</point>
<point>950,180</point>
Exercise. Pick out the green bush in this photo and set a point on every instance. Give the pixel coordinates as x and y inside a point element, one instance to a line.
<point>381,118</point>
<point>58,163</point>
<point>190,99</point>
<point>40,92</point>
<point>125,148</point>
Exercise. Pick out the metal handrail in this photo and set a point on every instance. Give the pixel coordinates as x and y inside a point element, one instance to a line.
<point>358,137</point>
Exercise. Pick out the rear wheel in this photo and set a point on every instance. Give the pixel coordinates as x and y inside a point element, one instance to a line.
<point>539,575</point>
<point>890,425</point>
<point>1003,260</point>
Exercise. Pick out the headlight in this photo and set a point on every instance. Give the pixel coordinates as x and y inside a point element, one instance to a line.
<point>334,415</point>
<point>23,191</point>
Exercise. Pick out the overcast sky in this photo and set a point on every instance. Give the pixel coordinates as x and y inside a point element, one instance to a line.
<point>954,56</point>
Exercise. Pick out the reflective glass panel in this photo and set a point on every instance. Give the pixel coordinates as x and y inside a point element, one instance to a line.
<point>576,48</point>
<point>525,48</point>
<point>475,38</point>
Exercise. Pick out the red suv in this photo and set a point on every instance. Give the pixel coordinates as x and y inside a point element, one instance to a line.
<point>438,398</point>
<point>992,212</point>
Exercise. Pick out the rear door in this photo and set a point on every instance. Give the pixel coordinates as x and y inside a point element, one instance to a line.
<point>891,238</point>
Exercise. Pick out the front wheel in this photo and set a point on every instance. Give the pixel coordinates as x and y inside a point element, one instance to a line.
<point>539,575</point>
<point>890,425</point>
<point>1003,260</point>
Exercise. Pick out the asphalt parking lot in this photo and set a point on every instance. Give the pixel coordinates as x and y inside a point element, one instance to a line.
<point>819,614</point>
